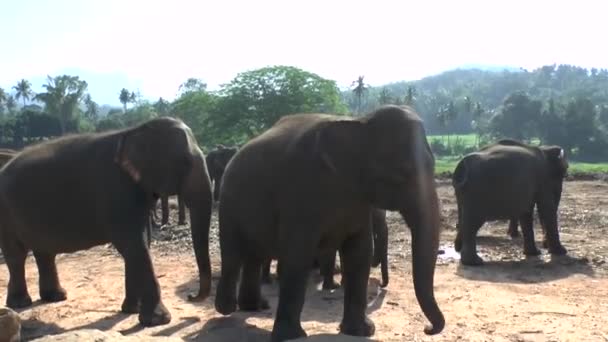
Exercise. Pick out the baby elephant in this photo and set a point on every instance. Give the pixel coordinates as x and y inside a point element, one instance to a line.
<point>506,180</point>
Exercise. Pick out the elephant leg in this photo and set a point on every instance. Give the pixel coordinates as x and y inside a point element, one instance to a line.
<point>266,272</point>
<point>295,260</point>
<point>14,255</point>
<point>50,288</point>
<point>527,221</point>
<point>548,215</point>
<point>164,204</point>
<point>327,264</point>
<point>216,188</point>
<point>141,282</point>
<point>250,288</point>
<point>225,297</point>
<point>466,237</point>
<point>513,232</point>
<point>181,213</point>
<point>357,255</point>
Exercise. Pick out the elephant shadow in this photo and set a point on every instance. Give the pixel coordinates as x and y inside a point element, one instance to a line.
<point>234,328</point>
<point>530,270</point>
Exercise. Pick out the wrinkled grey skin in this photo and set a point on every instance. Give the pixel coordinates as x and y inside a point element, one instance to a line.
<point>327,263</point>
<point>109,181</point>
<point>506,180</point>
<point>308,185</point>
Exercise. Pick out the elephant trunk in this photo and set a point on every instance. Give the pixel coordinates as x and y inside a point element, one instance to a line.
<point>197,197</point>
<point>422,216</point>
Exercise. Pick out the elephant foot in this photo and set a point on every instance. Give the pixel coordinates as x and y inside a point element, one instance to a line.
<point>558,250</point>
<point>514,234</point>
<point>224,304</point>
<point>130,306</point>
<point>330,284</point>
<point>471,260</point>
<point>283,331</point>
<point>457,244</point>
<point>258,304</point>
<point>365,328</point>
<point>531,251</point>
<point>54,295</point>
<point>159,316</point>
<point>18,301</point>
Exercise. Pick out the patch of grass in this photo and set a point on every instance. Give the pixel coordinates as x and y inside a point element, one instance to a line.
<point>467,139</point>
<point>447,164</point>
<point>576,167</point>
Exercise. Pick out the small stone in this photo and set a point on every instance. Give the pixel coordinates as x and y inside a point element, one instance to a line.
<point>10,326</point>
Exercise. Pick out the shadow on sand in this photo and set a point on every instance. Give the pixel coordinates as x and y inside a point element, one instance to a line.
<point>528,270</point>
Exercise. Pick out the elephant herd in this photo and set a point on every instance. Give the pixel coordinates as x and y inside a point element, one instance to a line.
<point>309,187</point>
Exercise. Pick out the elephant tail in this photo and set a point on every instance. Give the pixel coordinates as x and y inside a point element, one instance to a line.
<point>462,172</point>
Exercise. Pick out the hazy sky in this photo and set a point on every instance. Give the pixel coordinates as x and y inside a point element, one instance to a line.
<point>156,45</point>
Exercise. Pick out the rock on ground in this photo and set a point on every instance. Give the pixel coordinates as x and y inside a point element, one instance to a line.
<point>10,326</point>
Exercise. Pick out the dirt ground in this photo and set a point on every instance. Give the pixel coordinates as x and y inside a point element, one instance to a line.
<point>509,299</point>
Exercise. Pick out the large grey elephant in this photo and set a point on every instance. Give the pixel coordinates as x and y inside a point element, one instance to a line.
<point>506,180</point>
<point>109,181</point>
<point>308,185</point>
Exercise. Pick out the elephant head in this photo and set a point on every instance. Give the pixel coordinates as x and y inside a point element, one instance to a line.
<point>384,156</point>
<point>217,160</point>
<point>557,169</point>
<point>162,156</point>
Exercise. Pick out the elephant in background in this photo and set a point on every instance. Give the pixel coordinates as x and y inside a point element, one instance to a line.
<point>327,263</point>
<point>217,160</point>
<point>506,180</point>
<point>308,186</point>
<point>109,181</point>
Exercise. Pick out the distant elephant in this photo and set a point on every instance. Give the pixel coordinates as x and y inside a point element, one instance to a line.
<point>327,262</point>
<point>308,185</point>
<point>216,163</point>
<point>108,181</point>
<point>164,203</point>
<point>505,181</point>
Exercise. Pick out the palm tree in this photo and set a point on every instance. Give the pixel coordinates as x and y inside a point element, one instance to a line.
<point>11,104</point>
<point>410,96</point>
<point>359,90</point>
<point>125,97</point>
<point>24,90</point>
<point>62,96</point>
<point>92,108</point>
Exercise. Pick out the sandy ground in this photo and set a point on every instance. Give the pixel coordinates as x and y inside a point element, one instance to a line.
<point>509,299</point>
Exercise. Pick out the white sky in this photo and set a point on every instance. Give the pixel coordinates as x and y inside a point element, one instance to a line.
<point>159,44</point>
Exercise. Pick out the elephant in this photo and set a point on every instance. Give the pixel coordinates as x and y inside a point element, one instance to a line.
<point>505,180</point>
<point>109,180</point>
<point>307,186</point>
<point>164,203</point>
<point>327,263</point>
<point>216,163</point>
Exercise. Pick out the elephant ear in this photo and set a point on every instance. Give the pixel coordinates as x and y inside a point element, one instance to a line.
<point>557,160</point>
<point>126,163</point>
<point>340,145</point>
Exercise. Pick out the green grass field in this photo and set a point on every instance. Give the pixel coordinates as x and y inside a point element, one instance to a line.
<point>448,163</point>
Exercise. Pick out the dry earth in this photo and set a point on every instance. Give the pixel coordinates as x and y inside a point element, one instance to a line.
<point>509,299</point>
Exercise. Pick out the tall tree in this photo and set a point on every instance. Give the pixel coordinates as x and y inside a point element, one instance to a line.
<point>359,90</point>
<point>410,95</point>
<point>11,104</point>
<point>62,97</point>
<point>125,97</point>
<point>3,99</point>
<point>92,111</point>
<point>192,84</point>
<point>385,96</point>
<point>162,107</point>
<point>24,90</point>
